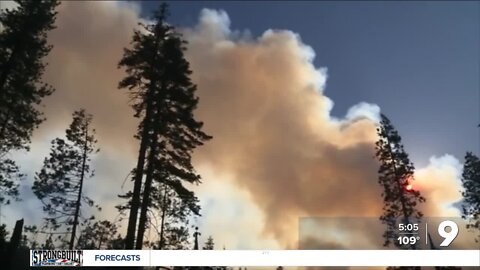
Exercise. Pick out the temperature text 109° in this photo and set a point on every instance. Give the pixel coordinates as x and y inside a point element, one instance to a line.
<point>407,240</point>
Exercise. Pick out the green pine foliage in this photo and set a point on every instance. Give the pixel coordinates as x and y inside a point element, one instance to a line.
<point>395,173</point>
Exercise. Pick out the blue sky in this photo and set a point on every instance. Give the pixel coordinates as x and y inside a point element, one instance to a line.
<point>419,61</point>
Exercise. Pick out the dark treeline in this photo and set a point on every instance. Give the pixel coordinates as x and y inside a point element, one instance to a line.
<point>163,98</point>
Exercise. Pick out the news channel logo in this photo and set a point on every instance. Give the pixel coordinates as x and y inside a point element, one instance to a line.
<point>56,257</point>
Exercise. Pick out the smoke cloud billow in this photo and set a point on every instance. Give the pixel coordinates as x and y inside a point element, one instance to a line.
<point>263,101</point>
<point>276,148</point>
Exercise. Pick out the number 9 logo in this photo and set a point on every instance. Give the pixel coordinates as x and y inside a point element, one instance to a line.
<point>448,236</point>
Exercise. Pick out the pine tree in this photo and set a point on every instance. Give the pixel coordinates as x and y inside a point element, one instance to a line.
<point>174,211</point>
<point>117,243</point>
<point>9,178</point>
<point>163,96</point>
<point>175,238</point>
<point>209,244</point>
<point>471,192</point>
<point>98,235</point>
<point>30,237</point>
<point>59,184</point>
<point>395,176</point>
<point>23,45</point>
<point>49,244</point>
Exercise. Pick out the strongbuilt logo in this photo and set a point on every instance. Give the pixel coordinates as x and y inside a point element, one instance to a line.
<point>56,257</point>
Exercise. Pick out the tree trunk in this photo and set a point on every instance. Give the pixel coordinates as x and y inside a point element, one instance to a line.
<point>146,197</point>
<point>137,185</point>
<point>14,244</point>
<point>402,198</point>
<point>79,198</point>
<point>164,211</point>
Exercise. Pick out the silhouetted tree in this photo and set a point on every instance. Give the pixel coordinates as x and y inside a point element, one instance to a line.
<point>49,244</point>
<point>13,245</point>
<point>209,244</point>
<point>28,241</point>
<point>3,234</point>
<point>59,184</point>
<point>99,235</point>
<point>23,45</point>
<point>3,242</point>
<point>30,235</point>
<point>174,212</point>
<point>9,178</point>
<point>395,176</point>
<point>163,96</point>
<point>117,243</point>
<point>471,192</point>
<point>176,237</point>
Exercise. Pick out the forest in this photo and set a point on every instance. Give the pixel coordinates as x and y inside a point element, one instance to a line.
<point>157,78</point>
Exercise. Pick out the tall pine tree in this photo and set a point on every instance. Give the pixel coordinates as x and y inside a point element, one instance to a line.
<point>163,97</point>
<point>471,192</point>
<point>23,45</point>
<point>59,184</point>
<point>395,176</point>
